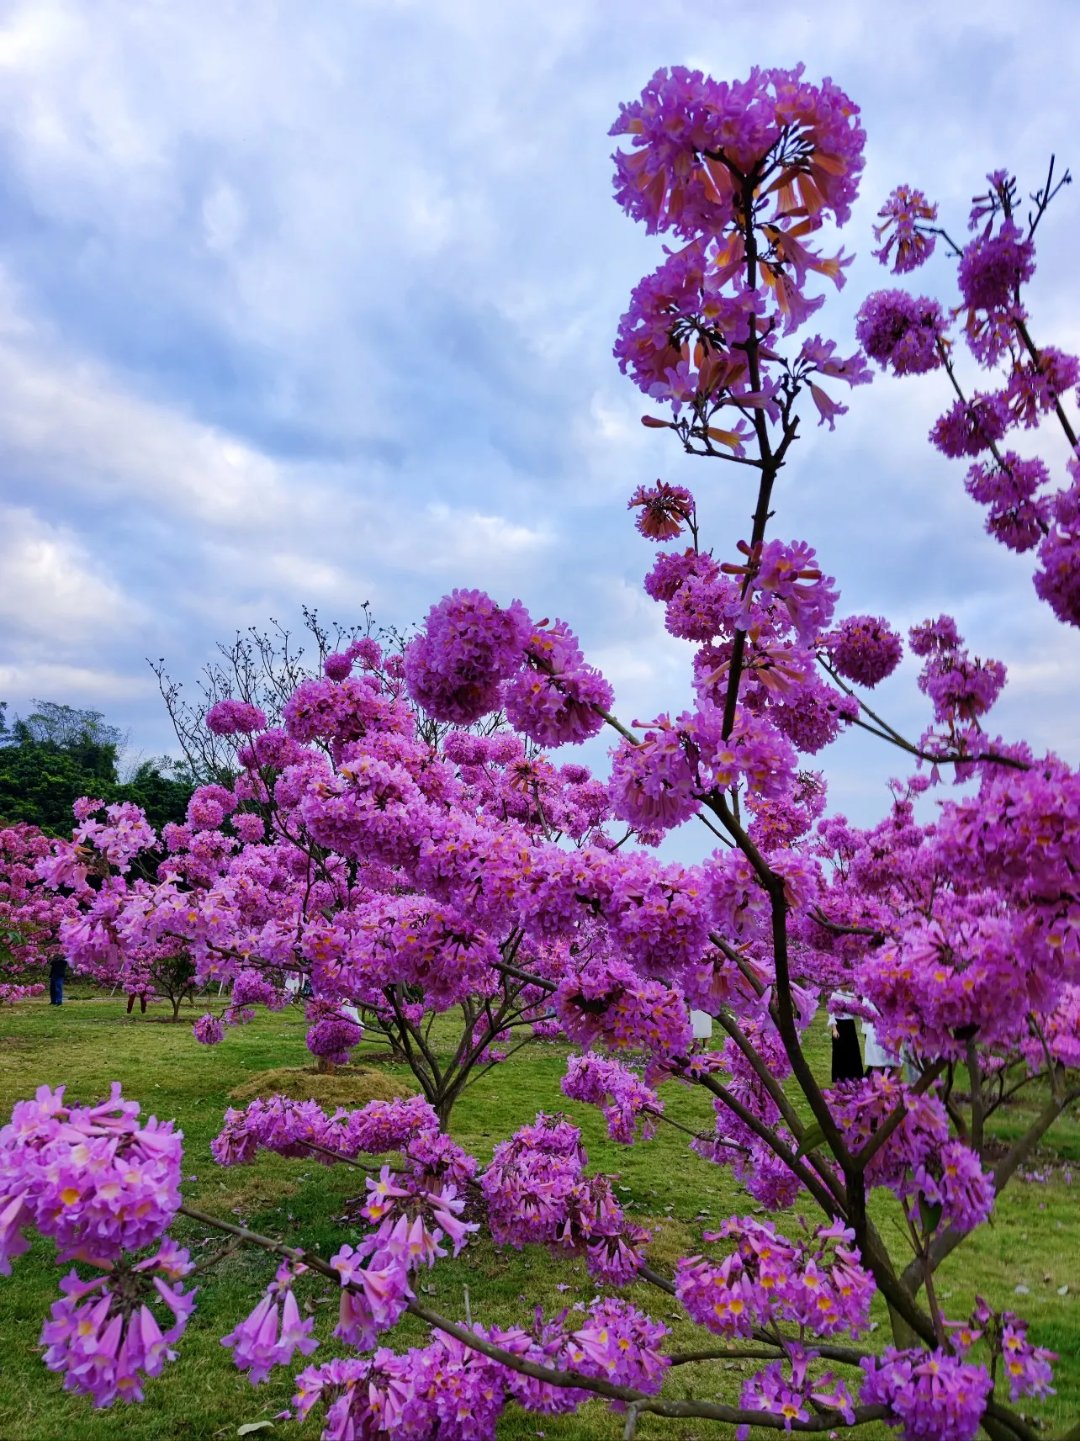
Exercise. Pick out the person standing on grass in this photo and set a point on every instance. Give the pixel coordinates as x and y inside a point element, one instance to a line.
<point>141,995</point>
<point>877,1057</point>
<point>846,1058</point>
<point>57,972</point>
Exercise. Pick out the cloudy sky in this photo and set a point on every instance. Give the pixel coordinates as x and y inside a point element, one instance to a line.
<point>314,302</point>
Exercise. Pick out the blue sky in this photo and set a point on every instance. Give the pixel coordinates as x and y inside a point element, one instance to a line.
<point>314,303</point>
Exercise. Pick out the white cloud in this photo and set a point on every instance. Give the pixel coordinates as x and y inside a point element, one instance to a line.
<point>449,540</point>
<point>316,304</point>
<point>223,215</point>
<point>78,685</point>
<point>80,428</point>
<point>51,590</point>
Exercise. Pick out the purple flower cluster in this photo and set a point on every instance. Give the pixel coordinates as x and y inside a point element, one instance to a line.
<point>104,1335</point>
<point>653,784</point>
<point>291,1128</point>
<point>250,988</point>
<point>333,1034</point>
<point>208,1030</point>
<point>1027,1366</point>
<point>864,649</point>
<point>908,334</point>
<point>234,717</point>
<point>956,1181</point>
<point>375,1275</point>
<point>812,714</point>
<point>700,149</point>
<point>382,1126</point>
<point>468,647</point>
<point>1006,484</point>
<point>1035,387</point>
<point>89,1177</point>
<point>678,343</point>
<point>658,783</point>
<point>558,697</point>
<point>919,1160</point>
<point>792,1391</point>
<point>935,1396</point>
<point>607,1002</point>
<point>903,333</point>
<point>906,223</point>
<point>971,426</point>
<point>961,686</point>
<point>449,1390</point>
<point>274,1331</point>
<point>537,1193</point>
<point>665,510</point>
<point>11,993</point>
<point>820,1284</point>
<point>592,1079</point>
<point>993,267</point>
<point>334,711</point>
<point>684,118</point>
<point>1057,579</point>
<point>1006,1337</point>
<point>119,837</point>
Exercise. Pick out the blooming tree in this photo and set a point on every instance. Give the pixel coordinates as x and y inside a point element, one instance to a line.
<point>284,875</point>
<point>261,667</point>
<point>76,886</point>
<point>436,873</point>
<point>30,913</point>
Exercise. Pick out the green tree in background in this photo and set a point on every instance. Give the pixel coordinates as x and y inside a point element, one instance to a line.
<point>59,752</point>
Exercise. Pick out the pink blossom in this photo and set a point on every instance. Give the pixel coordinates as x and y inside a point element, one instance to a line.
<point>274,1331</point>
<point>89,1177</point>
<point>906,222</point>
<point>558,697</point>
<point>935,1396</point>
<point>102,1334</point>
<point>993,267</point>
<point>864,649</point>
<point>467,647</point>
<point>234,717</point>
<point>208,1030</point>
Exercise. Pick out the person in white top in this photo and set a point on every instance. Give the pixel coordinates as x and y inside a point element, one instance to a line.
<point>846,1060</point>
<point>877,1058</point>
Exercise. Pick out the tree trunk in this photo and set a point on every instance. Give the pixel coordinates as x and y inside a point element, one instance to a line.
<point>903,1335</point>
<point>444,1104</point>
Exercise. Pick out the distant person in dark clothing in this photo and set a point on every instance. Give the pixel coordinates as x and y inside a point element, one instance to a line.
<point>847,1064</point>
<point>132,997</point>
<point>57,972</point>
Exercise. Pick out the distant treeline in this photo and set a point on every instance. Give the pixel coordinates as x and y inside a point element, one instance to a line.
<point>58,753</point>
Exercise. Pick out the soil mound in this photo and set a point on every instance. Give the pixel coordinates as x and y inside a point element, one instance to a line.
<point>351,1086</point>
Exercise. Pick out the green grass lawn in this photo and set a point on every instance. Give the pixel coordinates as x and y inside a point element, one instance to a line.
<point>1034,1241</point>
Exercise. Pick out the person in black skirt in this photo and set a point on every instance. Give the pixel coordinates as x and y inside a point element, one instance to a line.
<point>847,1062</point>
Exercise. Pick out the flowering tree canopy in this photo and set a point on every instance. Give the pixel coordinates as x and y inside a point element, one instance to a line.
<point>30,912</point>
<point>408,875</point>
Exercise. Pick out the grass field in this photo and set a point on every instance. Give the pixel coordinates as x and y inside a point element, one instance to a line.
<point>1033,1243</point>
